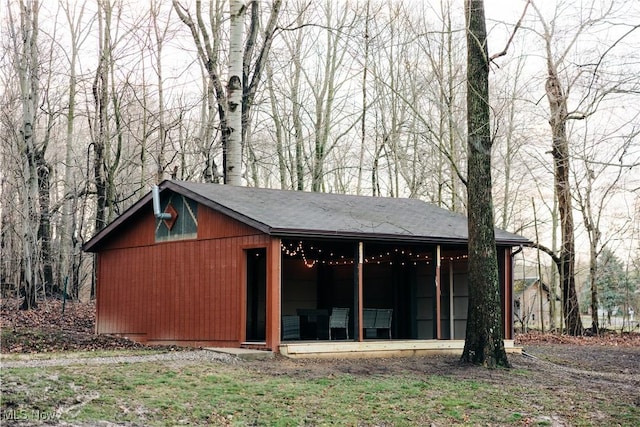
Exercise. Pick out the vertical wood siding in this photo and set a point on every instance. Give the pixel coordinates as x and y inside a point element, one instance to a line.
<point>185,292</point>
<point>137,231</point>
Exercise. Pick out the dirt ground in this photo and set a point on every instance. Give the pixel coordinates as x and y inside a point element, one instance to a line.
<point>590,366</point>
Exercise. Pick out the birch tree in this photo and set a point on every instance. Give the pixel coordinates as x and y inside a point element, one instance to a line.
<point>206,36</point>
<point>233,164</point>
<point>25,38</point>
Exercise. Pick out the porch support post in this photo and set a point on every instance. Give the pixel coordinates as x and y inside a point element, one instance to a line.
<point>438,292</point>
<point>507,291</point>
<point>357,295</point>
<point>451,307</point>
<point>273,294</point>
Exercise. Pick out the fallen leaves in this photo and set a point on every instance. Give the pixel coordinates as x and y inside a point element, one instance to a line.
<point>47,328</point>
<point>77,316</point>
<point>608,338</point>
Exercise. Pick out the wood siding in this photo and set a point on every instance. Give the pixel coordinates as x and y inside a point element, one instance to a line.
<point>193,292</point>
<point>137,231</point>
<point>186,292</point>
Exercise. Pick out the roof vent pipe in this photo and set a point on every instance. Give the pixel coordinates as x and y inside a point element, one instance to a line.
<point>155,192</point>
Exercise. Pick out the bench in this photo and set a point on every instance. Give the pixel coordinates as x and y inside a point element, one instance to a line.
<point>375,319</point>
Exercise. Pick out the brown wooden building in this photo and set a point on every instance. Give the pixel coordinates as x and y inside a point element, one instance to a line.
<point>233,264</point>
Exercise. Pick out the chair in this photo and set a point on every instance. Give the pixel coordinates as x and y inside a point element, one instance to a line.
<point>339,320</point>
<point>383,320</point>
<point>369,321</point>
<point>290,328</point>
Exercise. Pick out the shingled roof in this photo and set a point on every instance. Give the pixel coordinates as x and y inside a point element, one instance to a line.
<point>321,215</point>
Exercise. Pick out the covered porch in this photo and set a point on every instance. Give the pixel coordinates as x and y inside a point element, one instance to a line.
<point>422,287</point>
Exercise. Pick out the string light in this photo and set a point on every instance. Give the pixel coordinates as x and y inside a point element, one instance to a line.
<point>299,250</point>
<point>402,256</point>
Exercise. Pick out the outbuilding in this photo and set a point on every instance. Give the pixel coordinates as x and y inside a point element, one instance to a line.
<point>290,271</point>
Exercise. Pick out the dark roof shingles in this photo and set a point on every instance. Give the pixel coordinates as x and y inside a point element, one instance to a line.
<point>285,212</point>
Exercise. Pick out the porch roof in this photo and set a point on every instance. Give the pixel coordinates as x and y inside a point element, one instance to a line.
<point>300,214</point>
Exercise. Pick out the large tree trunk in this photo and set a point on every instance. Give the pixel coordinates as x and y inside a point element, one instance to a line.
<point>100,93</point>
<point>560,152</point>
<point>484,341</point>
<point>233,166</point>
<point>28,75</point>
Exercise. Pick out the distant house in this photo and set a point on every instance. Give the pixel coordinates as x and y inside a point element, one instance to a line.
<point>526,300</point>
<point>261,268</point>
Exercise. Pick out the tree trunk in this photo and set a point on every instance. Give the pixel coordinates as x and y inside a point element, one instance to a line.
<point>27,72</point>
<point>363,127</point>
<point>162,126</point>
<point>296,108</point>
<point>284,177</point>
<point>100,98</point>
<point>207,45</point>
<point>44,226</point>
<point>67,258</point>
<point>233,166</point>
<point>560,152</point>
<point>484,341</point>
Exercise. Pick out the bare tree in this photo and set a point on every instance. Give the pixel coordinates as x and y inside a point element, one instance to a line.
<point>25,38</point>
<point>100,91</point>
<point>600,182</point>
<point>556,96</point>
<point>69,249</point>
<point>443,50</point>
<point>206,37</point>
<point>559,84</point>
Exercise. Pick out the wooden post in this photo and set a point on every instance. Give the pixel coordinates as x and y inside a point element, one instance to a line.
<point>508,294</point>
<point>451,306</point>
<point>274,287</point>
<point>357,295</point>
<point>438,292</point>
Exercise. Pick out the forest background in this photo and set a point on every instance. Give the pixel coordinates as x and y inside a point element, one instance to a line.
<point>103,98</point>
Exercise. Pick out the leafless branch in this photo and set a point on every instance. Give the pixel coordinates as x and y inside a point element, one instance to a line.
<point>515,29</point>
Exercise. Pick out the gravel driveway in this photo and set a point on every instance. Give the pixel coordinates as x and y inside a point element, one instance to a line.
<point>189,356</point>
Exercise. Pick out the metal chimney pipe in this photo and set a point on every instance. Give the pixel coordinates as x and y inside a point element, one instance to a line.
<point>155,192</point>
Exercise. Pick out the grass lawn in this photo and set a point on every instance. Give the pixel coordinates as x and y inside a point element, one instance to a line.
<point>286,393</point>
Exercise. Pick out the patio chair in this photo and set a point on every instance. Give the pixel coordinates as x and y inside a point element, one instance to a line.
<point>369,322</point>
<point>290,328</point>
<point>339,320</point>
<point>383,319</point>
